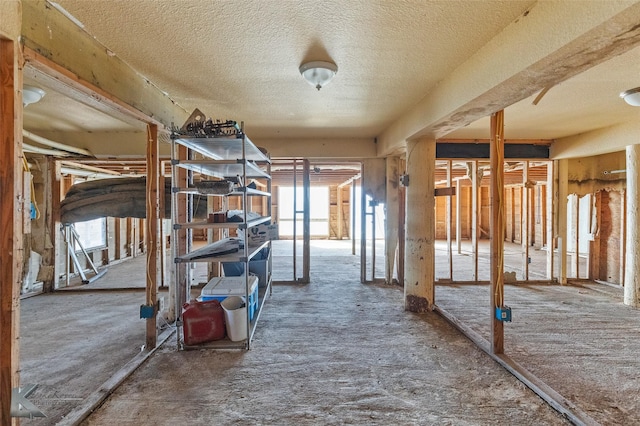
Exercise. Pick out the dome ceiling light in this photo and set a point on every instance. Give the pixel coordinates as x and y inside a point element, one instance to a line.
<point>318,73</point>
<point>631,96</point>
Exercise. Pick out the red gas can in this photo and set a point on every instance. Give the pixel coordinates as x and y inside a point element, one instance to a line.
<point>202,322</point>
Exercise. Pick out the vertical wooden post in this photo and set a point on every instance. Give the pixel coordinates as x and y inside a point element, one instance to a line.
<point>458,216</point>
<point>391,220</point>
<point>11,222</point>
<point>153,231</point>
<point>306,221</point>
<point>623,235</point>
<point>549,215</point>
<point>339,212</point>
<point>497,229</point>
<point>524,217</point>
<point>449,221</point>
<point>52,223</point>
<point>632,262</point>
<point>563,192</point>
<point>474,217</point>
<point>575,224</point>
<point>419,289</point>
<point>402,210</point>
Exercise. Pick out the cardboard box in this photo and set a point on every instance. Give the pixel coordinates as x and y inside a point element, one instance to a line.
<point>260,234</point>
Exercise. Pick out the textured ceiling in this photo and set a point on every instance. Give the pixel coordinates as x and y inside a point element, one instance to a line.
<point>239,59</point>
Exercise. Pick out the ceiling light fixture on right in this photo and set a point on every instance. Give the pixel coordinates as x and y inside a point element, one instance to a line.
<point>631,96</point>
<point>318,73</point>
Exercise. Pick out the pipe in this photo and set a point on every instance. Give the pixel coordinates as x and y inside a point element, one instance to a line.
<point>90,168</point>
<point>44,151</point>
<point>53,144</point>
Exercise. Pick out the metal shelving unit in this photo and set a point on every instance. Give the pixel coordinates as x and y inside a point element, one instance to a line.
<point>226,156</point>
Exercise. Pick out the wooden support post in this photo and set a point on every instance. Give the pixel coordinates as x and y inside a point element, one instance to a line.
<point>419,289</point>
<point>563,193</point>
<point>474,217</point>
<point>497,229</point>
<point>623,235</point>
<point>11,223</point>
<point>632,262</point>
<point>339,212</point>
<point>449,221</point>
<point>549,215</point>
<point>575,224</point>
<point>182,243</point>
<point>53,243</point>
<point>458,217</point>
<point>153,232</point>
<point>392,211</point>
<point>524,217</point>
<point>306,222</point>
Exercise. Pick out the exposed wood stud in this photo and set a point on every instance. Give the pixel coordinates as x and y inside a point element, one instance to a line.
<point>497,230</point>
<point>153,231</point>
<point>524,216</point>
<point>449,220</point>
<point>549,219</point>
<point>11,223</point>
<point>475,187</point>
<point>563,192</point>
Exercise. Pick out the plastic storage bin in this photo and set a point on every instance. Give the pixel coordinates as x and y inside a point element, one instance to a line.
<point>257,266</point>
<point>219,288</point>
<point>202,322</point>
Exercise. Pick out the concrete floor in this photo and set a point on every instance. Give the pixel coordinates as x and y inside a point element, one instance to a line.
<point>331,352</point>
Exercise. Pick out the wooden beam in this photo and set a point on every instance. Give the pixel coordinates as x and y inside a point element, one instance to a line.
<point>524,217</point>
<point>458,217</point>
<point>549,219</point>
<point>497,231</point>
<point>79,57</point>
<point>11,222</point>
<point>449,219</point>
<point>419,286</point>
<point>563,193</point>
<point>153,232</point>
<point>474,211</point>
<point>481,150</point>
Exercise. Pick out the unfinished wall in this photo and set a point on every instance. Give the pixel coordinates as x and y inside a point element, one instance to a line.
<point>335,206</point>
<point>607,244</point>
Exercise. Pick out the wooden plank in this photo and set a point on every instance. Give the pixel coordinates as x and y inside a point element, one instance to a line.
<point>481,150</point>
<point>449,218</point>
<point>74,53</point>
<point>497,230</point>
<point>473,212</point>
<point>458,217</point>
<point>444,192</point>
<point>563,192</point>
<point>11,236</point>
<point>524,217</point>
<point>549,218</point>
<point>153,232</point>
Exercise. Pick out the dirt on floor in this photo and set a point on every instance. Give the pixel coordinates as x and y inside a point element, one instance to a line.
<point>331,352</point>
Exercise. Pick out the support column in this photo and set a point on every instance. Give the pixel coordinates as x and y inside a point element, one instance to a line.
<point>153,232</point>
<point>474,217</point>
<point>11,222</point>
<point>448,221</point>
<point>458,217</point>
<point>632,262</point>
<point>563,193</point>
<point>550,214</point>
<point>496,148</point>
<point>524,218</point>
<point>419,290</point>
<point>391,219</point>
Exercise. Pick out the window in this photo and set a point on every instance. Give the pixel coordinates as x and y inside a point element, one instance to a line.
<point>319,206</point>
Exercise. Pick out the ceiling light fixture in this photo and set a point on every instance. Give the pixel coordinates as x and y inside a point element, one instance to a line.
<point>631,96</point>
<point>318,73</point>
<point>31,95</point>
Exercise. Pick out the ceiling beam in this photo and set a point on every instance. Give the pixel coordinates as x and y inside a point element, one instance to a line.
<point>550,43</point>
<point>55,44</point>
